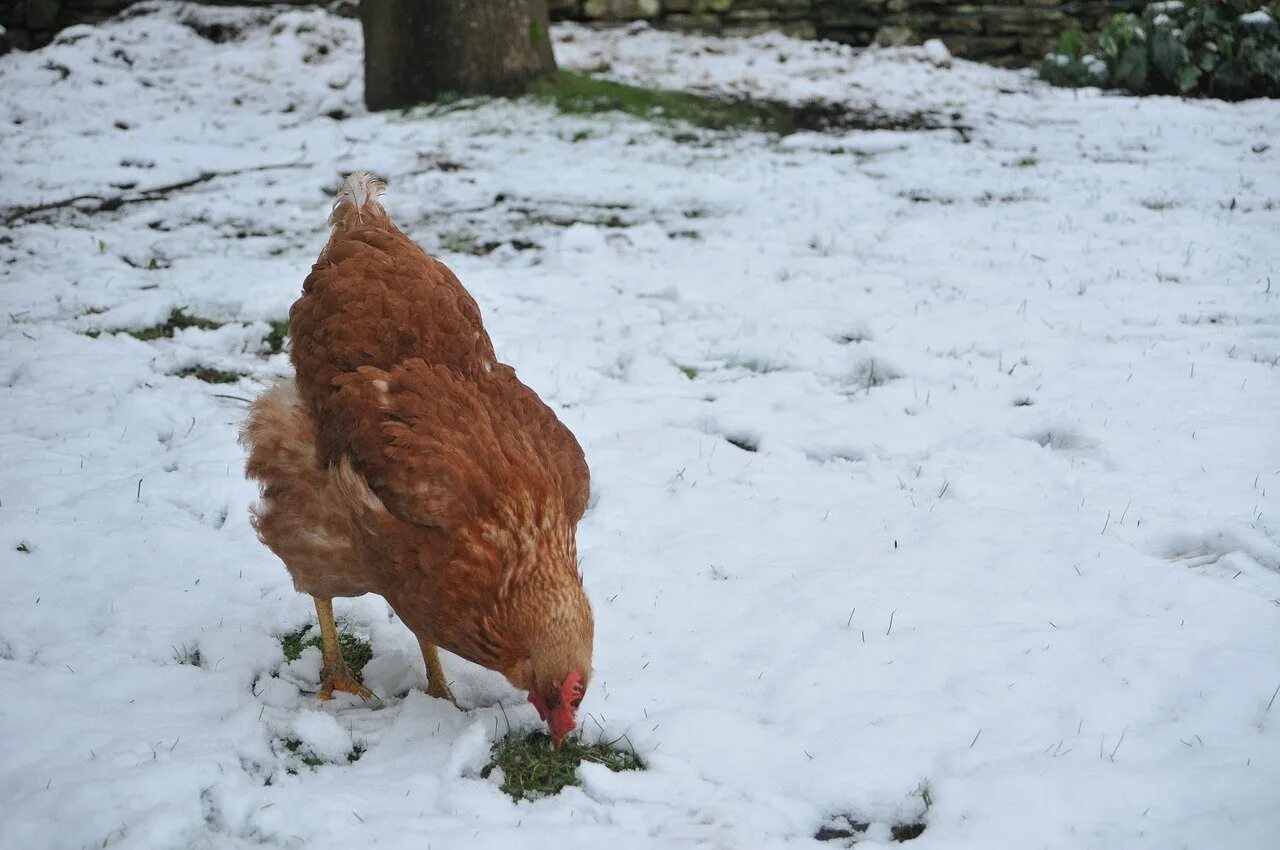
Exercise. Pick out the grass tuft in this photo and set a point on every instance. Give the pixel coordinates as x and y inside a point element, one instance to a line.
<point>355,650</point>
<point>276,339</point>
<point>310,759</point>
<point>210,375</point>
<point>532,768</point>
<point>689,372</point>
<point>178,320</point>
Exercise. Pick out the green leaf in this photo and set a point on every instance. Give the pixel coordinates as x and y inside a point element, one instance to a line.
<point>1187,78</point>
<point>1130,70</point>
<point>1071,42</point>
<point>1167,53</point>
<point>1268,64</point>
<point>1230,81</point>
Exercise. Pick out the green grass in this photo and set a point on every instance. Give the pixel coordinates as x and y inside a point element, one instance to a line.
<point>279,333</point>
<point>210,375</point>
<point>178,320</point>
<point>355,650</point>
<point>577,94</point>
<point>460,242</point>
<point>310,759</point>
<point>532,768</point>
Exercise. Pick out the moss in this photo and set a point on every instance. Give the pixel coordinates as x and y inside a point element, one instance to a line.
<point>578,94</point>
<point>355,650</point>
<point>532,768</point>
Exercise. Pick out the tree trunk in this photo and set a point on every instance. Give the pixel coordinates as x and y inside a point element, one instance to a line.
<point>416,50</point>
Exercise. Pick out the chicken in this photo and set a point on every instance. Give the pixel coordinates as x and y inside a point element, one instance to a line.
<point>403,459</point>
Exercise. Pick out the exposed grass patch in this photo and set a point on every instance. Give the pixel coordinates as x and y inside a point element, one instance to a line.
<point>309,759</point>
<point>745,443</point>
<point>759,365</point>
<point>578,94</point>
<point>845,828</point>
<point>355,650</point>
<point>24,547</point>
<point>689,372</point>
<point>187,655</point>
<point>459,242</point>
<point>532,768</point>
<point>179,319</point>
<point>854,337</point>
<point>210,375</point>
<point>276,339</point>
<point>870,374</point>
<point>919,197</point>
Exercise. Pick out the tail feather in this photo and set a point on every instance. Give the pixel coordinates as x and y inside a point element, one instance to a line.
<point>358,193</point>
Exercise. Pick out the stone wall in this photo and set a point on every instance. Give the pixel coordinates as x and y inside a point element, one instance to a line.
<point>1006,32</point>
<point>32,23</point>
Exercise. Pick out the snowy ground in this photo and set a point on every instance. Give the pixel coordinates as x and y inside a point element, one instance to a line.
<point>1000,537</point>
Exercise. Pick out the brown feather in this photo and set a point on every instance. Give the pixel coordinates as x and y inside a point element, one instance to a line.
<point>406,461</point>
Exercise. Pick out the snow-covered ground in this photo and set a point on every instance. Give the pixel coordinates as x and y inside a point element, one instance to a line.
<point>931,466</point>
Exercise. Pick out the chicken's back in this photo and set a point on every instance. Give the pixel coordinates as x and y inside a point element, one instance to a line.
<point>374,298</point>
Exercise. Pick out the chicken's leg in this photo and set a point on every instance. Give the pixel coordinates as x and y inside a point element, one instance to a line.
<point>335,675</point>
<point>437,686</point>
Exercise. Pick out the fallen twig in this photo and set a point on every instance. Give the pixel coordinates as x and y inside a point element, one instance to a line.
<point>156,193</point>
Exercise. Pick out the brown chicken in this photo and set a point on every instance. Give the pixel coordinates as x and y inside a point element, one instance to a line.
<point>405,460</point>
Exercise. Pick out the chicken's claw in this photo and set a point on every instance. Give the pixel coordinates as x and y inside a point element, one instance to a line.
<point>345,682</point>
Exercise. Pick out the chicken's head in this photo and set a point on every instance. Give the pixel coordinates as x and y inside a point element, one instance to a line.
<point>559,707</point>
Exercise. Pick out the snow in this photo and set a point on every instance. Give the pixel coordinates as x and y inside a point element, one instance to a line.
<point>937,52</point>
<point>1007,541</point>
<point>1258,16</point>
<point>322,735</point>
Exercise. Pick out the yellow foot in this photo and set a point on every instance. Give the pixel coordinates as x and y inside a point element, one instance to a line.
<point>437,684</point>
<point>345,682</point>
<point>440,690</point>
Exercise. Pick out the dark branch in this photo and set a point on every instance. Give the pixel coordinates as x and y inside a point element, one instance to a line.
<point>157,193</point>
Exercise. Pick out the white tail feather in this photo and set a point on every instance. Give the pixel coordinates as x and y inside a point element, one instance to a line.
<point>359,189</point>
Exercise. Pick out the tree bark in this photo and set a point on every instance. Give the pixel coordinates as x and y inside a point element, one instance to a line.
<point>417,50</point>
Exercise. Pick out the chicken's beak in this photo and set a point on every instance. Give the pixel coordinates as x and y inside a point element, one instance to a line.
<point>557,741</point>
